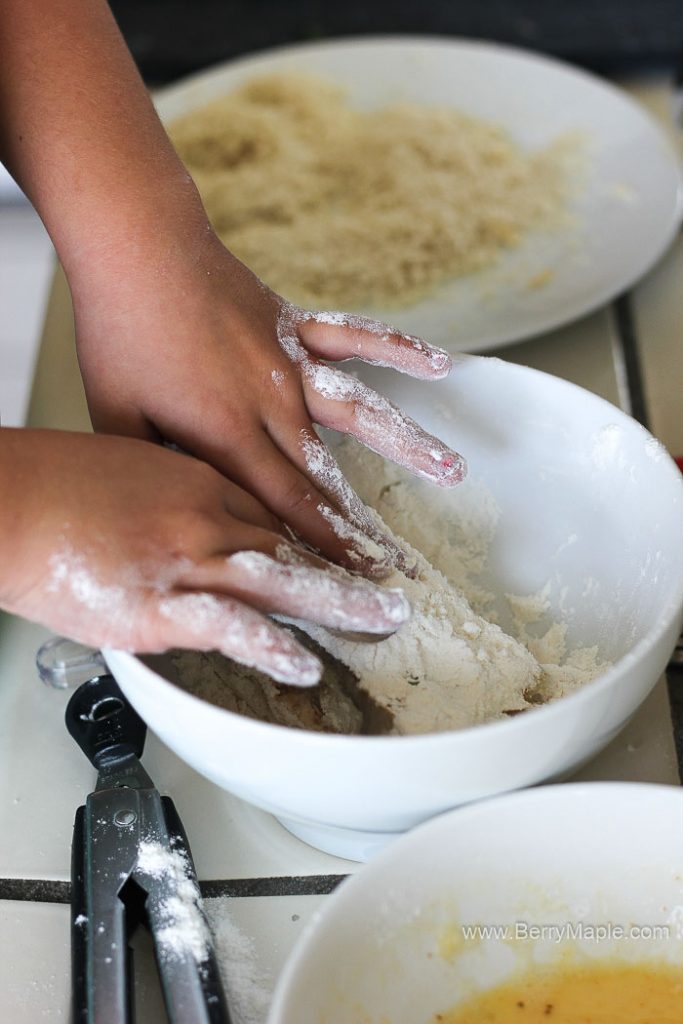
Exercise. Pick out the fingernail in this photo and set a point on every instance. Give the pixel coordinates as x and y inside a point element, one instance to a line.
<point>439,359</point>
<point>449,468</point>
<point>294,665</point>
<point>394,607</point>
<point>406,564</point>
<point>371,610</point>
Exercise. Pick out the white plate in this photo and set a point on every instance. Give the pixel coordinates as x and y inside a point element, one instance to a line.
<point>561,875</point>
<point>626,213</point>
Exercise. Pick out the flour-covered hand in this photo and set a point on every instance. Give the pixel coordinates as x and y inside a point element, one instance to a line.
<point>189,347</point>
<point>119,543</point>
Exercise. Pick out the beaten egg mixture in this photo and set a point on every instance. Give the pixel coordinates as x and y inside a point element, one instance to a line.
<point>606,992</point>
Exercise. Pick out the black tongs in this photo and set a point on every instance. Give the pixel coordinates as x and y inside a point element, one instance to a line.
<point>115,887</point>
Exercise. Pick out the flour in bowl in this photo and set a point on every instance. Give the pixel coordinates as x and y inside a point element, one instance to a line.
<point>450,666</point>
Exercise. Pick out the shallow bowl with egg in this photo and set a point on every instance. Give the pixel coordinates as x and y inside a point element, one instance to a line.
<point>589,511</point>
<point>558,903</point>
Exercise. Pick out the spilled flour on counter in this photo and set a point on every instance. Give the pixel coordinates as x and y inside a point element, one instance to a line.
<point>248,983</point>
<point>450,666</point>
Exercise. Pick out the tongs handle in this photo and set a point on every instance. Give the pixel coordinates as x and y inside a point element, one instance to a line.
<point>125,808</point>
<point>105,726</point>
<point>99,980</point>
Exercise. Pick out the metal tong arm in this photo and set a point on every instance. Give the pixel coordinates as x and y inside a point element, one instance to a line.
<point>114,890</point>
<point>187,963</point>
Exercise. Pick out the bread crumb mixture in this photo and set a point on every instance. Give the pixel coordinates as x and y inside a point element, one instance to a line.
<point>449,667</point>
<point>336,206</point>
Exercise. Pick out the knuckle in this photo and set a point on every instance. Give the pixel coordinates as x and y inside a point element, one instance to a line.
<point>188,531</point>
<point>338,415</point>
<point>225,423</point>
<point>357,413</point>
<point>297,498</point>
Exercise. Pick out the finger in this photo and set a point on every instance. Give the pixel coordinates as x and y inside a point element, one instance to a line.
<point>254,462</point>
<point>296,501</point>
<point>249,510</point>
<point>288,582</point>
<point>204,621</point>
<point>237,502</point>
<point>305,449</point>
<point>336,400</point>
<point>340,336</point>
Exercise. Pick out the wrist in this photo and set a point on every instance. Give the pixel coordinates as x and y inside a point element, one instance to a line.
<point>134,234</point>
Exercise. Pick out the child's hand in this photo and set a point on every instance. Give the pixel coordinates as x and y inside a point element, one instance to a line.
<point>185,344</point>
<point>119,543</point>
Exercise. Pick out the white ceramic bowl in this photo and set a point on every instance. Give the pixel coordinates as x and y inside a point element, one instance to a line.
<point>391,945</point>
<point>588,500</point>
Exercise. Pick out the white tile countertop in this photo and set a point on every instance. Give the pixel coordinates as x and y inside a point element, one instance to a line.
<point>26,266</point>
<point>262,884</point>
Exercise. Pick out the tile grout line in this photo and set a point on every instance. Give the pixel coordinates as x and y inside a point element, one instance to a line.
<point>34,890</point>
<point>38,890</point>
<point>674,686</point>
<point>619,364</point>
<point>278,885</point>
<point>629,373</point>
<point>629,363</point>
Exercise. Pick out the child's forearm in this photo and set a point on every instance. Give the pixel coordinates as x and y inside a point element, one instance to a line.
<point>82,138</point>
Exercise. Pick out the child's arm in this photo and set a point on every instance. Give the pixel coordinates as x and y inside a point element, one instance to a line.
<point>176,338</point>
